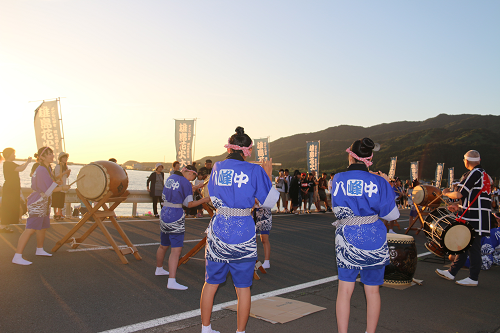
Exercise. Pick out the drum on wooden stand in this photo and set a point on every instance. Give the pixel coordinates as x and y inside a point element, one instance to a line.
<point>98,178</point>
<point>423,195</point>
<point>446,234</point>
<point>403,256</point>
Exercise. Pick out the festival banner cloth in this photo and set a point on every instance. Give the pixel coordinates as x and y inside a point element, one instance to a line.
<point>439,174</point>
<point>48,127</point>
<point>184,132</point>
<point>414,170</point>
<point>312,156</point>
<point>392,168</point>
<point>261,147</point>
<point>451,175</point>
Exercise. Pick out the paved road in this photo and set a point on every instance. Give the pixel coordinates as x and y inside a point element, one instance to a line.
<point>91,291</point>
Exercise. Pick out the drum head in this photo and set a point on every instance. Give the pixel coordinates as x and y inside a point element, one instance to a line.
<point>397,238</point>
<point>95,182</point>
<point>418,195</point>
<point>457,238</point>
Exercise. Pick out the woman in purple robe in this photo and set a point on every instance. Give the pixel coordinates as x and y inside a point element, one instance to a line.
<point>39,203</point>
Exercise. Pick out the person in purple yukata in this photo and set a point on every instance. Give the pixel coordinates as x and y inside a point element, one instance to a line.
<point>39,202</point>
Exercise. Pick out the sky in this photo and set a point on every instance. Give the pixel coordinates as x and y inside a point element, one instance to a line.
<point>127,69</point>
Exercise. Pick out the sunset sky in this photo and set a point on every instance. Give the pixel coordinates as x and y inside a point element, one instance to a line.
<point>127,69</point>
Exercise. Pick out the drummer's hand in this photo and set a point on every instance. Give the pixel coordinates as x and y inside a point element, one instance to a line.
<point>66,187</point>
<point>29,160</point>
<point>453,208</point>
<point>268,168</point>
<point>68,172</point>
<point>205,200</point>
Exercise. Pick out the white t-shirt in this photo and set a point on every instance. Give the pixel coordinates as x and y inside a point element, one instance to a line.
<point>280,184</point>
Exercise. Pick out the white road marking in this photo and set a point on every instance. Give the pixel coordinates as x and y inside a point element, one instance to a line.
<point>95,248</point>
<point>194,313</point>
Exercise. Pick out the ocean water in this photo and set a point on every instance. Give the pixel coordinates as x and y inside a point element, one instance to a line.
<point>136,181</point>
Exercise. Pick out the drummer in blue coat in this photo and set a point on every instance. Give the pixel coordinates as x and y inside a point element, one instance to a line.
<point>178,191</point>
<point>231,242</point>
<point>360,199</point>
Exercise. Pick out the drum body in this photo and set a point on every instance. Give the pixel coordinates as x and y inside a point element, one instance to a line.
<point>423,195</point>
<point>403,255</point>
<point>445,234</point>
<point>100,178</point>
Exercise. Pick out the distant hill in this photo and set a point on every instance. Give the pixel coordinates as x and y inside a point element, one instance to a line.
<point>442,139</point>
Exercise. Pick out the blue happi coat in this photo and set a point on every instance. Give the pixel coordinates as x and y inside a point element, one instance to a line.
<point>177,190</point>
<point>360,193</point>
<point>235,183</point>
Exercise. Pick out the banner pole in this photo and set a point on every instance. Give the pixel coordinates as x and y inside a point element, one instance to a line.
<point>62,127</point>
<point>194,139</point>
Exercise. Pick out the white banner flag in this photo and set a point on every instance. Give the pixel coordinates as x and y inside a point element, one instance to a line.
<point>48,128</point>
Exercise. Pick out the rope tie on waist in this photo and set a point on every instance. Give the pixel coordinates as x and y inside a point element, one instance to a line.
<point>356,220</point>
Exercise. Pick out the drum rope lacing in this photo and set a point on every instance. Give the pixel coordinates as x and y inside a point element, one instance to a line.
<point>356,220</point>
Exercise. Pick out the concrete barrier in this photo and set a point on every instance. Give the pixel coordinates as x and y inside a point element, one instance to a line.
<point>135,197</point>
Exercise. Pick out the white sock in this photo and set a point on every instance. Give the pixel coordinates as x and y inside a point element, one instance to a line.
<point>240,332</point>
<point>208,329</point>
<point>266,264</point>
<point>41,252</point>
<point>18,259</point>
<point>161,271</point>
<point>172,284</point>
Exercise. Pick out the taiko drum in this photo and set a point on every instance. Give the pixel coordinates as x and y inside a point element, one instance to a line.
<point>98,178</point>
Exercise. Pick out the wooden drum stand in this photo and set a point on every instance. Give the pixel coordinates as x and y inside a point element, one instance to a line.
<point>201,245</point>
<point>99,216</point>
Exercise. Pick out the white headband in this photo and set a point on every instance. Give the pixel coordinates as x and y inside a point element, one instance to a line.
<point>472,159</point>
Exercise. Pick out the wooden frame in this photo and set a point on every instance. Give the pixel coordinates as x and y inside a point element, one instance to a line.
<point>99,216</point>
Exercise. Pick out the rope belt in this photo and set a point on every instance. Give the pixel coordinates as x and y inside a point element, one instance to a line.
<point>356,220</point>
<point>226,211</point>
<point>172,205</point>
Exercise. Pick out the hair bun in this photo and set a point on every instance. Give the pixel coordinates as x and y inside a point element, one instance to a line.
<point>367,143</point>
<point>240,130</point>
<point>35,155</point>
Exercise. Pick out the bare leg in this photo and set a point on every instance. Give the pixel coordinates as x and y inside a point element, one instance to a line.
<point>267,246</point>
<point>343,308</point>
<point>244,304</point>
<point>173,261</point>
<point>40,237</point>
<point>372,307</point>
<point>160,255</point>
<point>207,302</point>
<point>23,240</point>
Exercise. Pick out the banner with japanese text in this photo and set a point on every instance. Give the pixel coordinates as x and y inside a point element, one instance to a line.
<point>439,174</point>
<point>48,128</point>
<point>392,168</point>
<point>451,175</point>
<point>184,132</point>
<point>312,156</point>
<point>261,147</point>
<point>414,170</point>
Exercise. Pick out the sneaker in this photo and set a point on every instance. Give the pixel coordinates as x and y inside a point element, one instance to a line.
<point>468,282</point>
<point>391,231</point>
<point>445,274</point>
<point>157,216</point>
<point>199,215</point>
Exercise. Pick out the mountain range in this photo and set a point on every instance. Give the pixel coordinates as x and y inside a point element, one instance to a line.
<point>442,139</point>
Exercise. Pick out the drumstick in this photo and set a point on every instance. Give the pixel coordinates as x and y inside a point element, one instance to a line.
<point>76,180</point>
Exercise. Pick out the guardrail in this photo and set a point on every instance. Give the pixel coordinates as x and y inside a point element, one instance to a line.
<point>135,197</point>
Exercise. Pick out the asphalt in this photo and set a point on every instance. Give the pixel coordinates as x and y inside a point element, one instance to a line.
<point>91,291</point>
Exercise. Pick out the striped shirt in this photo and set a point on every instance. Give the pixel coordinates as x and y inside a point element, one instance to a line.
<point>478,214</point>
